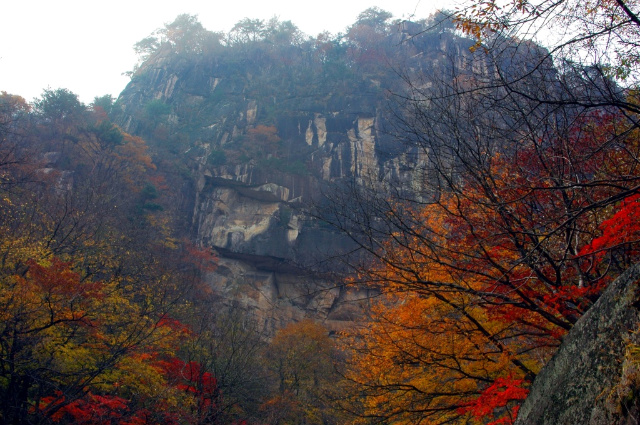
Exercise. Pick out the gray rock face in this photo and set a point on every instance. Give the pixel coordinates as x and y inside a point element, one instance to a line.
<point>594,378</point>
<point>333,123</point>
<point>250,210</point>
<point>278,297</point>
<point>263,242</point>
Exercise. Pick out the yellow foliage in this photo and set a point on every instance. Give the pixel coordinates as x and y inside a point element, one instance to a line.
<point>420,359</point>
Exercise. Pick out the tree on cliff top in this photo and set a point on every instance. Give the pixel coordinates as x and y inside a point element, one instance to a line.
<point>184,36</point>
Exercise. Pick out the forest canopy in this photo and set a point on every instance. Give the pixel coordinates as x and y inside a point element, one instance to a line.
<point>522,208</point>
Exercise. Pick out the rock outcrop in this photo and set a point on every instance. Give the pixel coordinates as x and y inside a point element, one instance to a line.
<point>261,128</point>
<point>594,377</point>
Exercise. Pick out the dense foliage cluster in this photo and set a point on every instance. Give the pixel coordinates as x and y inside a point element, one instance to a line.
<point>529,212</point>
<point>104,317</point>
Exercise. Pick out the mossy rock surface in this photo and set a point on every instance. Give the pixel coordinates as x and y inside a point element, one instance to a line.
<point>593,379</point>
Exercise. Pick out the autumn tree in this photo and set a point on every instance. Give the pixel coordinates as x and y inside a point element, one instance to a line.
<point>14,127</point>
<point>228,344</point>
<point>63,336</point>
<point>300,358</point>
<point>603,34</point>
<point>283,33</point>
<point>423,359</point>
<point>488,264</point>
<point>247,31</point>
<point>367,38</point>
<point>86,289</point>
<point>104,103</point>
<point>59,111</point>
<point>184,36</point>
<point>592,43</point>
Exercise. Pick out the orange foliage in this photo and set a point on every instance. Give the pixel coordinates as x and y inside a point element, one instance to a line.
<point>301,359</point>
<point>203,259</point>
<point>479,286</point>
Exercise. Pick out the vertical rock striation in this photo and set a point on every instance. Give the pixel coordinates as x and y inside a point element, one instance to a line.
<point>260,127</point>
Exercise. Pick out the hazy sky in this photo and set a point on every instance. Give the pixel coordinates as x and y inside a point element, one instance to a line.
<point>85,45</point>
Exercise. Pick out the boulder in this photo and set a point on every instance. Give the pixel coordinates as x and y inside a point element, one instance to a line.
<point>594,377</point>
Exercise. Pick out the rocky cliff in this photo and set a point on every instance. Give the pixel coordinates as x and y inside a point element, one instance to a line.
<point>262,127</point>
<point>594,378</point>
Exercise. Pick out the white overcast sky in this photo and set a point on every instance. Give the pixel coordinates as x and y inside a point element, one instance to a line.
<point>86,45</point>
